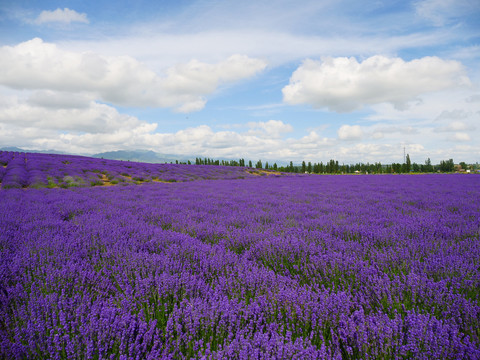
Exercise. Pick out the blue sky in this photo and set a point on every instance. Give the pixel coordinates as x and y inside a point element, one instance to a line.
<point>277,81</point>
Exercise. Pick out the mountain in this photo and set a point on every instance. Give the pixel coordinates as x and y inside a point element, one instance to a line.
<point>146,156</point>
<point>17,149</point>
<point>12,148</point>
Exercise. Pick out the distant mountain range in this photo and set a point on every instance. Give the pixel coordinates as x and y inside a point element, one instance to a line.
<point>17,149</point>
<point>146,156</point>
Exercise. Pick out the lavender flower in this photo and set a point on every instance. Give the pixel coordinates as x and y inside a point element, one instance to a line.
<point>307,267</point>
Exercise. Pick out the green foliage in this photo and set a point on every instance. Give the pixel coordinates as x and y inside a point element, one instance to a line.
<point>446,165</point>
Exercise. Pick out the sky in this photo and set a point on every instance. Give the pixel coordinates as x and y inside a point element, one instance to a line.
<point>354,81</point>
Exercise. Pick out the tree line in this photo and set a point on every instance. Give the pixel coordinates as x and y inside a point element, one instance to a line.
<point>334,167</point>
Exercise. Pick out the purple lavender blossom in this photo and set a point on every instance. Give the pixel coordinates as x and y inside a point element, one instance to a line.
<point>289,267</point>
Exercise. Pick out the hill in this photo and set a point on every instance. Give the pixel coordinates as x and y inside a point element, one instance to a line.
<point>146,156</point>
<point>22,170</point>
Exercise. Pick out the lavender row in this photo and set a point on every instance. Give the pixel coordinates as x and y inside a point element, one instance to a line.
<point>21,170</point>
<point>270,268</point>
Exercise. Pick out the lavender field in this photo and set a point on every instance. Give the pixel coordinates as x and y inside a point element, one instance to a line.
<point>20,170</point>
<point>220,263</point>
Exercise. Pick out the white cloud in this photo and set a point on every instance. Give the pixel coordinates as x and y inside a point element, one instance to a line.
<point>461,137</point>
<point>192,106</point>
<point>99,127</point>
<point>452,114</point>
<point>350,132</point>
<point>441,12</point>
<point>65,16</point>
<point>271,128</point>
<point>78,131</point>
<point>282,33</point>
<point>343,84</point>
<point>392,129</point>
<point>456,126</point>
<point>85,116</point>
<point>59,100</point>
<point>433,109</point>
<point>119,80</point>
<point>473,99</point>
<point>159,48</point>
<point>189,83</point>
<point>46,120</point>
<point>439,121</point>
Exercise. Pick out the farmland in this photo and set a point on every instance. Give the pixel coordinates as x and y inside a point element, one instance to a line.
<point>19,170</point>
<point>183,261</point>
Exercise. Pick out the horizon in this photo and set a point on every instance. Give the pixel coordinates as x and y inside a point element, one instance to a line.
<point>223,80</point>
<point>172,159</point>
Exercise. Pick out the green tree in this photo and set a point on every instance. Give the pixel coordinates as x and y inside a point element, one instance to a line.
<point>304,167</point>
<point>396,167</point>
<point>447,166</point>
<point>408,163</point>
<point>321,168</point>
<point>428,165</point>
<point>332,166</point>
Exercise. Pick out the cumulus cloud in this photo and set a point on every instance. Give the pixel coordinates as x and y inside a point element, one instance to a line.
<point>84,116</point>
<point>343,84</point>
<point>271,128</point>
<point>473,99</point>
<point>389,132</point>
<point>192,106</point>
<point>461,137</point>
<point>99,127</point>
<point>460,123</point>
<point>65,16</point>
<point>59,100</point>
<point>119,80</point>
<point>452,114</point>
<point>443,122</point>
<point>77,131</point>
<point>373,152</point>
<point>455,126</point>
<point>350,132</point>
<point>45,120</point>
